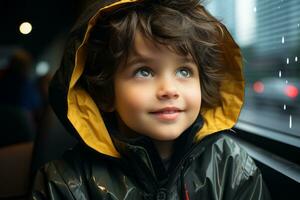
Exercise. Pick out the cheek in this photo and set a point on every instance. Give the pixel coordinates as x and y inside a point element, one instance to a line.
<point>130,99</point>
<point>194,100</point>
<point>193,96</point>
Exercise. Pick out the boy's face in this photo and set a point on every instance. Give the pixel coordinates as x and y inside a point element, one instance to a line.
<point>157,92</point>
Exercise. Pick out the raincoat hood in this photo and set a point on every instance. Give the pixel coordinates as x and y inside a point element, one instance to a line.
<point>79,113</point>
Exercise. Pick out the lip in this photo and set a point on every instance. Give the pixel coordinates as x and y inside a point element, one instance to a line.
<point>167,113</point>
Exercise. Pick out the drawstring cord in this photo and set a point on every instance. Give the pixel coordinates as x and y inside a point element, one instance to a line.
<point>184,191</point>
<point>187,197</point>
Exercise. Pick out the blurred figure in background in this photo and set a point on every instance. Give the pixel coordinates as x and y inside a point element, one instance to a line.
<point>20,99</point>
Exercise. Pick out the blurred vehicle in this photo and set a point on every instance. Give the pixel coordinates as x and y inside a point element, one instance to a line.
<point>279,92</point>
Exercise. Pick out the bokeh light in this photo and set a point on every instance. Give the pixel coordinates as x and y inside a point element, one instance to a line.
<point>25,28</point>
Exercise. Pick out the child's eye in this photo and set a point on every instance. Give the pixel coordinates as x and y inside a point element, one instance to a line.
<point>184,72</point>
<point>143,73</point>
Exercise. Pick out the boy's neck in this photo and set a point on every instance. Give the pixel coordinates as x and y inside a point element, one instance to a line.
<point>164,148</point>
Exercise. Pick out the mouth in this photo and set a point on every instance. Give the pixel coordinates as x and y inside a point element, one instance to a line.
<point>167,113</point>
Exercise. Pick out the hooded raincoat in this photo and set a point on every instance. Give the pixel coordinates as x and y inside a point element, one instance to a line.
<point>207,163</point>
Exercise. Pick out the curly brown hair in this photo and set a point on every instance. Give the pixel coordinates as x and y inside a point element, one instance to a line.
<point>183,26</point>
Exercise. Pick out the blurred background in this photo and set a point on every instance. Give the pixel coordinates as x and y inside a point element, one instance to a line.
<point>32,39</point>
<point>268,31</point>
<point>33,35</point>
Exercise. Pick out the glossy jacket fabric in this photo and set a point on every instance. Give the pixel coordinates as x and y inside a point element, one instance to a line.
<point>215,168</point>
<point>206,164</point>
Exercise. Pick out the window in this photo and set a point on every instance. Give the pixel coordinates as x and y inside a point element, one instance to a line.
<point>268,33</point>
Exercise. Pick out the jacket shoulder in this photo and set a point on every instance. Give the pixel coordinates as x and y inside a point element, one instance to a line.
<point>225,147</point>
<point>60,179</point>
<point>221,151</point>
<point>228,167</point>
<point>73,175</point>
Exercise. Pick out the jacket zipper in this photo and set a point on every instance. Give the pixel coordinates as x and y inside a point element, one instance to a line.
<point>181,168</point>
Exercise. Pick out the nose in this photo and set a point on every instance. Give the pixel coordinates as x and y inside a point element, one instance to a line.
<point>167,89</point>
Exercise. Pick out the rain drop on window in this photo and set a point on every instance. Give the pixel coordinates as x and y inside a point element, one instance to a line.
<point>296,59</point>
<point>291,121</point>
<point>279,74</point>
<point>284,107</point>
<point>254,9</point>
<point>287,61</point>
<point>286,82</point>
<point>282,39</point>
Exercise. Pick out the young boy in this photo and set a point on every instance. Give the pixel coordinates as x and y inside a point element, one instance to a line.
<point>151,88</point>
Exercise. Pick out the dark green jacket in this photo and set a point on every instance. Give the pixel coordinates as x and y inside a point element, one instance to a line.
<point>206,163</point>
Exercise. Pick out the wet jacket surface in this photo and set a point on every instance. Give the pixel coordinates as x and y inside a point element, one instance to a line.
<point>206,164</point>
<point>215,168</point>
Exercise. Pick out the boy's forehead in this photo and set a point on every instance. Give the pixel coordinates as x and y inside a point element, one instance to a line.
<point>144,46</point>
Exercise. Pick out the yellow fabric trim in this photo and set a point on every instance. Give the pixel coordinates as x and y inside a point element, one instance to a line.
<point>82,110</point>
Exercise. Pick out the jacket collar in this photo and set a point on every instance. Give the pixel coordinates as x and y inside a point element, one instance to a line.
<point>141,153</point>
